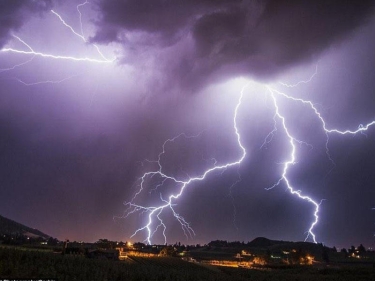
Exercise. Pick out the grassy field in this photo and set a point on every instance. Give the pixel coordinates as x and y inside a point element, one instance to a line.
<point>16,263</point>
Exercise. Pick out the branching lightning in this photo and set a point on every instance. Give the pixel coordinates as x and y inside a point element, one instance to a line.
<point>154,213</point>
<point>29,51</point>
<point>104,59</point>
<point>33,53</point>
<point>45,82</point>
<point>291,161</point>
<point>57,57</point>
<point>292,141</point>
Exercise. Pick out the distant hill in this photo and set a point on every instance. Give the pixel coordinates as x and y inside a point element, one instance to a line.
<point>277,246</point>
<point>266,243</point>
<point>262,242</point>
<point>10,227</point>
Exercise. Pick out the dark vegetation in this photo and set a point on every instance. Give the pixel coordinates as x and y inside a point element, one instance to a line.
<point>21,263</point>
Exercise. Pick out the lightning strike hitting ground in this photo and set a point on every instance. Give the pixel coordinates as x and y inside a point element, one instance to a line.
<point>154,212</point>
<point>154,221</point>
<point>274,93</point>
<point>290,162</point>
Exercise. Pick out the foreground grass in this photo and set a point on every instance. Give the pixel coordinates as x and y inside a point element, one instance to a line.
<point>15,263</point>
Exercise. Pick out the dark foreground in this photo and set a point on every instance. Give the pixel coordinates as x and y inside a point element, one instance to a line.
<point>21,263</point>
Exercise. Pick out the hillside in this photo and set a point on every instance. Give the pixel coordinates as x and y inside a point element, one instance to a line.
<point>277,246</point>
<point>262,242</point>
<point>10,227</point>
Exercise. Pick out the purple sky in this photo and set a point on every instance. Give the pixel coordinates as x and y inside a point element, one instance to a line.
<point>75,135</point>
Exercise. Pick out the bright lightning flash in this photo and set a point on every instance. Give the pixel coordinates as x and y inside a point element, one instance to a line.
<point>154,212</point>
<point>154,220</point>
<point>361,128</point>
<point>30,51</point>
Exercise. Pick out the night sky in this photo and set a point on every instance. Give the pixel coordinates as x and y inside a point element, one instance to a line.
<point>76,136</point>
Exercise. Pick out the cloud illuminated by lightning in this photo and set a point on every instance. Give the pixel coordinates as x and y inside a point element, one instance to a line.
<point>34,53</point>
<point>51,56</point>
<point>81,35</point>
<point>302,81</point>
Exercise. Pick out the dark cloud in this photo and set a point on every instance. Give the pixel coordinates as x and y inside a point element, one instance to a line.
<point>164,18</point>
<point>14,13</point>
<point>299,29</point>
<point>229,37</point>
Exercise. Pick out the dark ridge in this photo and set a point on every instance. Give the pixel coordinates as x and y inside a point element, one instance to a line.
<point>10,227</point>
<point>262,242</point>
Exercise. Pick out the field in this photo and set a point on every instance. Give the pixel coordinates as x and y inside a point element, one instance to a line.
<point>17,263</point>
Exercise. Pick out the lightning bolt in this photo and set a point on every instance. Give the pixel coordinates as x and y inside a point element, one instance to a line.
<point>302,81</point>
<point>45,82</point>
<point>57,57</point>
<point>68,26</point>
<point>81,36</point>
<point>16,65</point>
<point>292,141</point>
<point>232,198</point>
<point>31,51</point>
<point>80,16</point>
<point>155,212</point>
<point>290,162</point>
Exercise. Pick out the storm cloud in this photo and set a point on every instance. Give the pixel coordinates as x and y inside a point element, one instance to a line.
<point>13,14</point>
<point>74,134</point>
<point>212,40</point>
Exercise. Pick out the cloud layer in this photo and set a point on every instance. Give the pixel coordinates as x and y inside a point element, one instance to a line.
<point>13,14</point>
<point>209,40</point>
